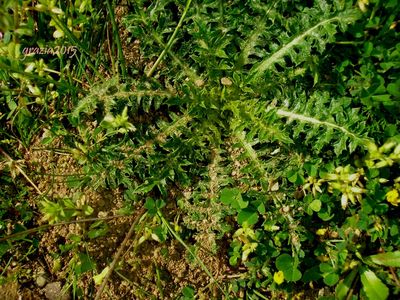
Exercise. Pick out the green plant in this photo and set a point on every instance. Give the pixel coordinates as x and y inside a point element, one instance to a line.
<point>258,124</point>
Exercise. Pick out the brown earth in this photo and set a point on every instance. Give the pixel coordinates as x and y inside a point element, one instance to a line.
<point>151,270</point>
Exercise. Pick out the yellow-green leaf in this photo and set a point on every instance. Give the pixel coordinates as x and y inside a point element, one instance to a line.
<point>390,259</point>
<point>374,288</point>
<point>279,278</point>
<point>99,277</point>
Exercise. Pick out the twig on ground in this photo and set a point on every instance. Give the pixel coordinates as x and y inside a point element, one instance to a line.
<point>118,254</point>
<point>43,227</point>
<point>21,171</point>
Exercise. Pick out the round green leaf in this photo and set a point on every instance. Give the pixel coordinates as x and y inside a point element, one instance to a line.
<point>326,268</point>
<point>292,275</point>
<point>331,279</point>
<point>315,205</point>
<point>233,197</point>
<point>284,262</point>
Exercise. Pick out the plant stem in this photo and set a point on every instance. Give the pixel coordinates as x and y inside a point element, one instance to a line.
<point>78,43</point>
<point>348,43</point>
<point>171,39</point>
<point>43,227</point>
<point>259,294</point>
<point>133,283</point>
<point>396,280</point>
<point>118,254</point>
<point>200,262</point>
<point>118,40</point>
<point>22,172</point>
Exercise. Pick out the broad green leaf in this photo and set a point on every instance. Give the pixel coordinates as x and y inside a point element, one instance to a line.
<point>150,204</point>
<point>97,229</point>
<point>292,176</point>
<point>292,275</point>
<point>233,260</point>
<point>233,197</point>
<point>311,169</point>
<point>394,88</point>
<point>230,195</point>
<point>261,208</point>
<point>374,288</point>
<point>247,215</point>
<point>390,259</point>
<point>145,187</point>
<point>159,234</point>
<point>285,263</point>
<point>92,234</point>
<point>87,210</point>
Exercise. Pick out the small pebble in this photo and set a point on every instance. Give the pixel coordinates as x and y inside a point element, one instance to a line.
<point>53,291</point>
<point>40,281</point>
<point>226,81</point>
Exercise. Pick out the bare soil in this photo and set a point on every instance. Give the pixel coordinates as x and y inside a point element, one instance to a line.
<point>152,270</point>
